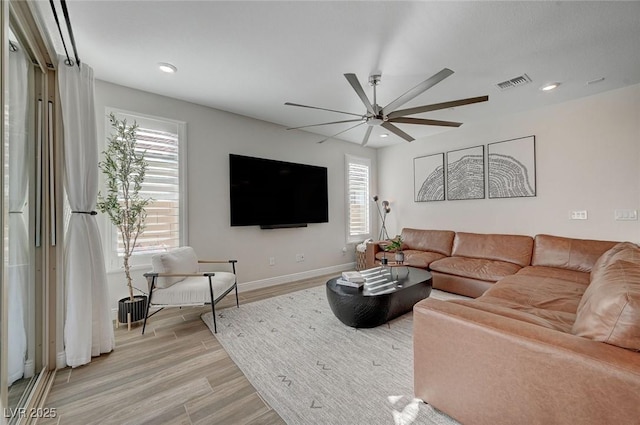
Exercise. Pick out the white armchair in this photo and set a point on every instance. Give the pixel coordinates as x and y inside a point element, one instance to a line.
<point>177,281</point>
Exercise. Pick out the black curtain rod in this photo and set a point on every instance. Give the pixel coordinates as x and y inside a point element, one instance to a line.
<point>73,40</point>
<point>65,11</point>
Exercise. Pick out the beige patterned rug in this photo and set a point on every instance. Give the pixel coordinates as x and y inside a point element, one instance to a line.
<point>314,370</point>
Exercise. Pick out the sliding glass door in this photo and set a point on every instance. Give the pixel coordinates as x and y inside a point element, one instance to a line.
<point>22,315</point>
<point>27,304</point>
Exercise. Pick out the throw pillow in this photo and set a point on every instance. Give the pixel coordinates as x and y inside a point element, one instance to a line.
<point>176,261</point>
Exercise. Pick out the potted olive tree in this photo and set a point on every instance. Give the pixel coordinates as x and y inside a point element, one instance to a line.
<point>124,169</point>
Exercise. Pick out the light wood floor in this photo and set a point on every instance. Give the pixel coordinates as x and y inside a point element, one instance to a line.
<point>177,373</point>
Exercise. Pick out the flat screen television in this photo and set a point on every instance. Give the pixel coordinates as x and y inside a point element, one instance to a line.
<point>273,194</point>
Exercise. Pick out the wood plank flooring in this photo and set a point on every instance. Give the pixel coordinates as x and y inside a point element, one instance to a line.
<point>177,373</point>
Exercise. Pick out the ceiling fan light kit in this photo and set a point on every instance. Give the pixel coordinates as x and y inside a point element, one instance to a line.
<point>387,116</point>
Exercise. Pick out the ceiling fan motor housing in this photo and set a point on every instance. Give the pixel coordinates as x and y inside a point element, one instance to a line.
<point>377,120</point>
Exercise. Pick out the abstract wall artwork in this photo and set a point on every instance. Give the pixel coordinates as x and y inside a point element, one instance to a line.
<point>465,173</point>
<point>512,168</point>
<point>428,178</point>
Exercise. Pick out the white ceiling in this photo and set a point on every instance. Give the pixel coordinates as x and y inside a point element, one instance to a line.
<point>252,57</point>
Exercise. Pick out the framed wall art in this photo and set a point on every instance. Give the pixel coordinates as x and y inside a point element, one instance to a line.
<point>512,168</point>
<point>465,173</point>
<point>428,178</point>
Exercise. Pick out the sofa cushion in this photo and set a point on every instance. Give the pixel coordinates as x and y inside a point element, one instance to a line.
<point>176,261</point>
<point>476,268</point>
<point>421,259</point>
<point>194,290</point>
<point>610,309</point>
<point>566,253</point>
<point>440,241</point>
<point>466,286</point>
<point>545,293</point>
<point>507,248</point>
<point>557,320</point>
<point>413,258</point>
<point>556,273</point>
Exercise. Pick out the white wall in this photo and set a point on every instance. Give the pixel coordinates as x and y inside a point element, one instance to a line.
<point>212,135</point>
<point>587,158</point>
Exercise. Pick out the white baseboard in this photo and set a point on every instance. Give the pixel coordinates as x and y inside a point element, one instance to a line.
<point>309,274</point>
<point>61,359</point>
<point>279,280</point>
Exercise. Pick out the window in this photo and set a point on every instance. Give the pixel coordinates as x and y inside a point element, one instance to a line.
<point>163,143</point>
<point>358,171</point>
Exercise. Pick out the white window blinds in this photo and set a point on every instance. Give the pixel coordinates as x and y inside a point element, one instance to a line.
<point>358,181</point>
<point>159,140</point>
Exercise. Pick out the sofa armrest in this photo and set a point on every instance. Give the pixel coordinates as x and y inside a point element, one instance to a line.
<point>483,368</point>
<point>370,254</point>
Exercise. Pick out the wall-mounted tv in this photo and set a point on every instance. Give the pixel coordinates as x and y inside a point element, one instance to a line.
<point>274,194</point>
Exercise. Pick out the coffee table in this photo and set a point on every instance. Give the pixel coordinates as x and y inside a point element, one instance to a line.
<point>385,296</point>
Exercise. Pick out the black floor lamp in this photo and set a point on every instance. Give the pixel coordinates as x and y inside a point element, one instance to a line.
<point>382,212</point>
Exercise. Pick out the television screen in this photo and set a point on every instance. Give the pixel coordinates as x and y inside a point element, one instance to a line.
<point>272,193</point>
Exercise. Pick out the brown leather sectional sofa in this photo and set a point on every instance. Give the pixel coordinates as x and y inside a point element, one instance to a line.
<point>462,263</point>
<point>552,340</point>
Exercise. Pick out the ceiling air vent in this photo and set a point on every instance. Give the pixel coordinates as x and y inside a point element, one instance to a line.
<point>514,82</point>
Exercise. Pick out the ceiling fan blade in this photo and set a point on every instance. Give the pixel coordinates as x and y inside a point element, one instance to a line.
<point>353,80</point>
<point>392,128</point>
<point>437,106</point>
<point>337,134</point>
<point>419,89</point>
<point>366,136</point>
<point>322,109</point>
<point>407,120</point>
<point>324,123</point>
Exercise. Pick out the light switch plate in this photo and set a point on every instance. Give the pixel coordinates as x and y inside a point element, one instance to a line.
<point>626,215</point>
<point>579,215</point>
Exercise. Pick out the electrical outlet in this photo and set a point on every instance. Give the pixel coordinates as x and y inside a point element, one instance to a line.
<point>272,261</point>
<point>299,258</point>
<point>579,215</point>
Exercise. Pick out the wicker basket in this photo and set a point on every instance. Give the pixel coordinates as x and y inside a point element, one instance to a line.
<point>360,260</point>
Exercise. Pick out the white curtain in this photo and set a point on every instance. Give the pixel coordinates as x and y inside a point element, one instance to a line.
<point>18,270</point>
<point>88,330</point>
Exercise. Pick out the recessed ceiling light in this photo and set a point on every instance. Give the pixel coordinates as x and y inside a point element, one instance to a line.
<point>167,67</point>
<point>550,86</point>
<point>384,135</point>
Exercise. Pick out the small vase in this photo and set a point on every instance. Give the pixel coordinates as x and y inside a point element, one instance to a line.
<point>400,257</point>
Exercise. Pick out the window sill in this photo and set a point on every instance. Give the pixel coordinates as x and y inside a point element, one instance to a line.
<point>358,239</point>
<point>132,268</point>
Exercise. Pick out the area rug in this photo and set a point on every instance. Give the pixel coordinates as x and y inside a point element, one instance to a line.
<point>314,370</point>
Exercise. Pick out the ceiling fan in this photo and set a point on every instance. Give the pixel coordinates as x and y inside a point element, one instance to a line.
<point>389,115</point>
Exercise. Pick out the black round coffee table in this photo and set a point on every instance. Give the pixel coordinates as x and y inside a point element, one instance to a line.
<point>387,294</point>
